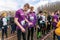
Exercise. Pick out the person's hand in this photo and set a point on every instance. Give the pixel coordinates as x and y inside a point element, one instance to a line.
<point>2,27</point>
<point>22,29</point>
<point>49,23</point>
<point>30,23</point>
<point>8,27</point>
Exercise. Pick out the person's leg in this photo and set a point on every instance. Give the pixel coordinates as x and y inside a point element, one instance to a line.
<point>32,32</point>
<point>44,28</point>
<point>18,34</point>
<point>47,30</point>
<point>11,29</point>
<point>28,36</point>
<point>39,31</point>
<point>6,31</point>
<point>2,34</point>
<point>58,37</point>
<point>53,35</point>
<point>24,35</point>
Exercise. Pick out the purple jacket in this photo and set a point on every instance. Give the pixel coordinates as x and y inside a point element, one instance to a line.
<point>55,17</point>
<point>21,17</point>
<point>32,18</point>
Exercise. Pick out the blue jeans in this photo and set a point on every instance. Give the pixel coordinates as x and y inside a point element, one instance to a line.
<point>58,37</point>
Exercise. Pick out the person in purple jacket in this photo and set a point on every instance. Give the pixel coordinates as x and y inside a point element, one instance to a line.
<point>54,23</point>
<point>20,21</point>
<point>32,18</point>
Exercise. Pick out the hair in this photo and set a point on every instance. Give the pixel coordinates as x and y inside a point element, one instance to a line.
<point>3,14</point>
<point>59,18</point>
<point>40,11</point>
<point>28,6</point>
<point>31,7</point>
<point>55,11</point>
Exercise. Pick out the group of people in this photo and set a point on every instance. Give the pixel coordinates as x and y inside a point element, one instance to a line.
<point>41,22</point>
<point>7,23</point>
<point>24,19</point>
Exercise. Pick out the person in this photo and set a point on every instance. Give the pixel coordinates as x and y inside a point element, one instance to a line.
<point>4,27</point>
<point>41,23</point>
<point>39,18</point>
<point>58,23</point>
<point>13,25</point>
<point>31,18</point>
<point>20,20</point>
<point>54,23</point>
<point>1,23</point>
<point>49,20</point>
<point>57,30</point>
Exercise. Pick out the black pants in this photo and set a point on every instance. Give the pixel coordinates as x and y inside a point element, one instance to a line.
<point>4,31</point>
<point>13,29</point>
<point>48,26</point>
<point>54,35</point>
<point>30,33</point>
<point>43,28</point>
<point>19,33</point>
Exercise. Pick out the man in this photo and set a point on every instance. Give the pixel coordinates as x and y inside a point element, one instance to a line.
<point>20,20</point>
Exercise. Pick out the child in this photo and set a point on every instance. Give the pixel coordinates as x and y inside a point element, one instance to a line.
<point>31,18</point>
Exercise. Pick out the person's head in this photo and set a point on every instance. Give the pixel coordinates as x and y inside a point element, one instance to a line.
<point>56,12</point>
<point>26,7</point>
<point>4,14</point>
<point>52,14</point>
<point>59,18</point>
<point>31,8</point>
<point>40,12</point>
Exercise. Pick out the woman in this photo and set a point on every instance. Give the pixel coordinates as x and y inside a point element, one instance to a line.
<point>4,27</point>
<point>32,18</point>
<point>54,23</point>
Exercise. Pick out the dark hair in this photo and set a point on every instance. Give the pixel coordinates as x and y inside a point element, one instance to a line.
<point>59,18</point>
<point>56,11</point>
<point>40,12</point>
<point>28,6</point>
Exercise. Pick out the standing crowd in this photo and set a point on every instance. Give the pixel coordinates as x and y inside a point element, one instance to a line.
<point>42,22</point>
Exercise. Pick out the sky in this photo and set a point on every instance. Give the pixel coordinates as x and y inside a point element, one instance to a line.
<point>17,4</point>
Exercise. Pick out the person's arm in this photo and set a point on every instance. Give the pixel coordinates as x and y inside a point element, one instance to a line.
<point>18,24</point>
<point>16,21</point>
<point>58,24</point>
<point>55,20</point>
<point>26,19</point>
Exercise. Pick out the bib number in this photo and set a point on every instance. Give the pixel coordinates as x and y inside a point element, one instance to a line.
<point>31,18</point>
<point>23,22</point>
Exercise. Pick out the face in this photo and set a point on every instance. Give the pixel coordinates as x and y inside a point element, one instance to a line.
<point>52,14</point>
<point>32,8</point>
<point>58,12</point>
<point>26,8</point>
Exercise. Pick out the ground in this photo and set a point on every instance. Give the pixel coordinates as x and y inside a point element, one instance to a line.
<point>14,37</point>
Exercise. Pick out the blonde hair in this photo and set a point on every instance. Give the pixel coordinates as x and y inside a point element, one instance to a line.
<point>4,14</point>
